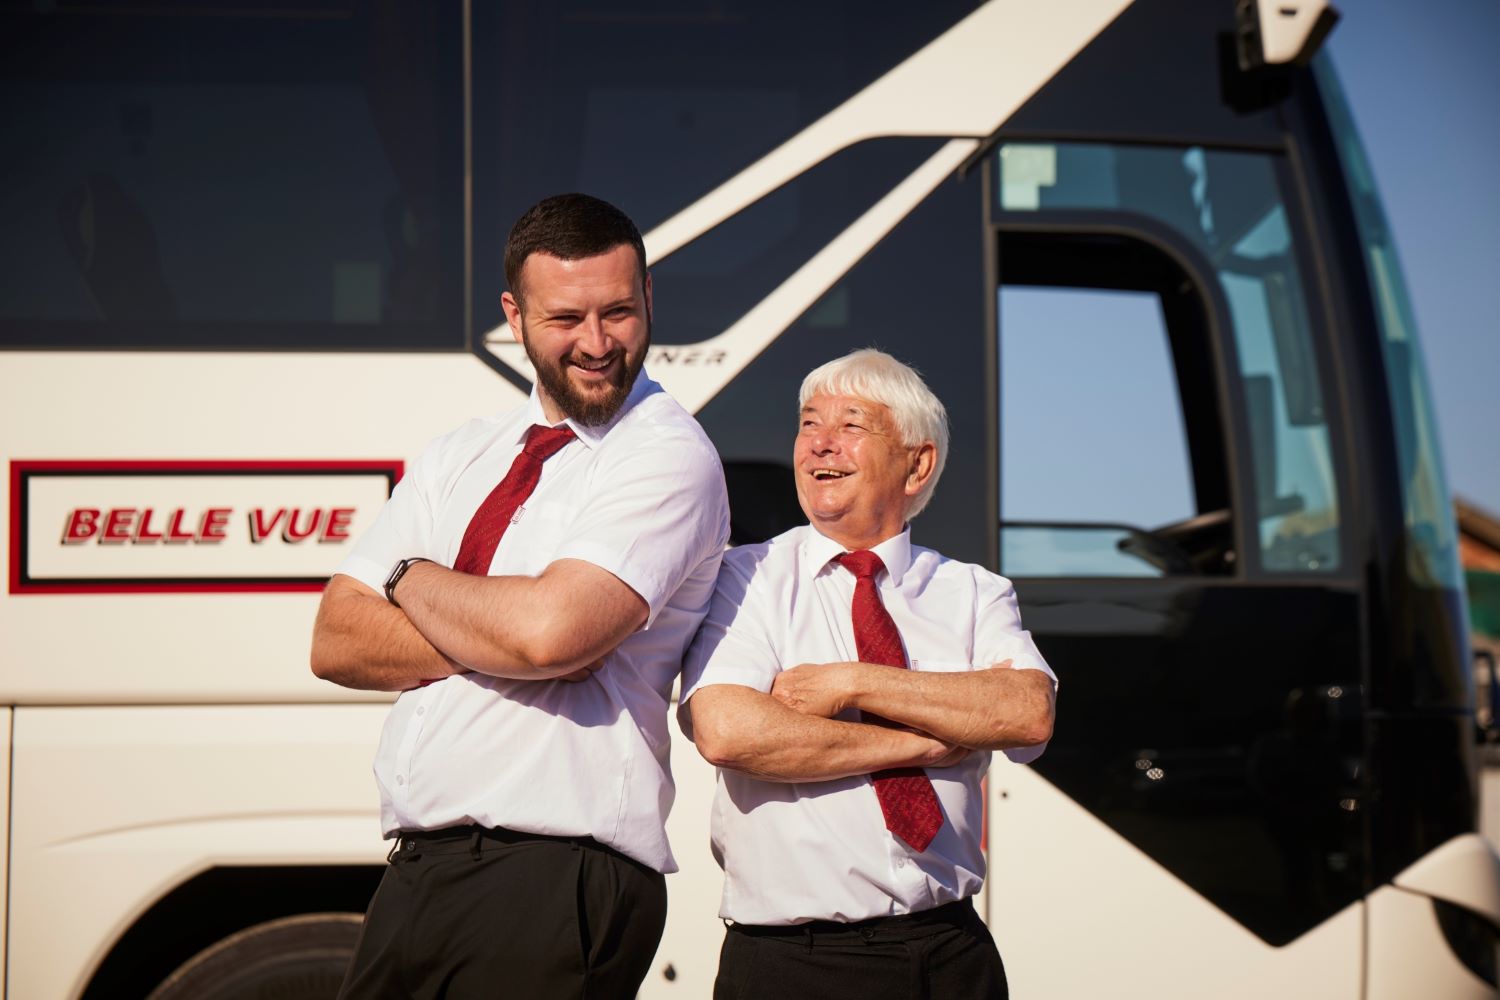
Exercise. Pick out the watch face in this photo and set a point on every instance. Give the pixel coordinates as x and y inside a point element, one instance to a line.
<point>396,573</point>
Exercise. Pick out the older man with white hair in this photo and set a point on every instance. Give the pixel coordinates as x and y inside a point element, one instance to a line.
<point>850,686</point>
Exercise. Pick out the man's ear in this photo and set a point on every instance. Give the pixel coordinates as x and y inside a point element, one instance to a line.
<point>923,462</point>
<point>647,286</point>
<point>512,315</point>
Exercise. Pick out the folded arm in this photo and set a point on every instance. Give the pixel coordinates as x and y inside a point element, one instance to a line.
<point>996,708</point>
<point>361,640</point>
<point>522,627</point>
<point>746,730</point>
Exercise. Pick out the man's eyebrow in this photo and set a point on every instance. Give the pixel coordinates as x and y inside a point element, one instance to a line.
<point>548,310</point>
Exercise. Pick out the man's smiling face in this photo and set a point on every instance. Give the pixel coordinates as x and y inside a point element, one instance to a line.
<point>586,325</point>
<point>855,477</point>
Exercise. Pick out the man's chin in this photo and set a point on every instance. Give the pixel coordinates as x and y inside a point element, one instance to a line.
<point>592,403</point>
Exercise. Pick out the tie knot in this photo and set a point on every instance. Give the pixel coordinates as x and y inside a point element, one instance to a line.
<point>544,442</point>
<point>863,564</point>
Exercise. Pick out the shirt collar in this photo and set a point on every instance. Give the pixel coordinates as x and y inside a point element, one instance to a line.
<point>590,436</point>
<point>895,552</point>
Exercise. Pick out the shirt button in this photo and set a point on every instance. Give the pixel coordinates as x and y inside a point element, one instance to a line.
<point>400,779</point>
<point>422,710</point>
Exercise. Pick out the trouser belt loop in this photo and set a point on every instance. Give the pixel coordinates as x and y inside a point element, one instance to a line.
<point>809,938</point>
<point>476,839</point>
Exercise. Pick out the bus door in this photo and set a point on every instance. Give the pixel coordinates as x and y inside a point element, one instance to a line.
<point>1169,490</point>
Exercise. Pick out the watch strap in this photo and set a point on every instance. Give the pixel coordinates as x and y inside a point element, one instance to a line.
<point>397,572</point>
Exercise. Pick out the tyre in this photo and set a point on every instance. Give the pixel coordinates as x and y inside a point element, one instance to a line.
<point>294,958</point>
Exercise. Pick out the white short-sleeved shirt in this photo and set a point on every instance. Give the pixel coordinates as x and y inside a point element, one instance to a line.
<point>642,497</point>
<point>820,850</point>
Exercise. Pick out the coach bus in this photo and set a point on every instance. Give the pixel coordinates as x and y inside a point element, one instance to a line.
<point>252,263</point>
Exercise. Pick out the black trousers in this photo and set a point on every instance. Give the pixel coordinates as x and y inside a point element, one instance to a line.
<point>941,954</point>
<point>468,913</point>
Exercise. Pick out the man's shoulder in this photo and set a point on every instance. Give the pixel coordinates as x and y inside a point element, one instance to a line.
<point>657,437</point>
<point>932,564</point>
<point>656,417</point>
<point>473,435</point>
<point>768,561</point>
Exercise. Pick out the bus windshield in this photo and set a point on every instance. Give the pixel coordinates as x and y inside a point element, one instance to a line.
<point>1432,555</point>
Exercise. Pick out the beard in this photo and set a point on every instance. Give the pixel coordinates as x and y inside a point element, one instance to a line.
<point>588,408</point>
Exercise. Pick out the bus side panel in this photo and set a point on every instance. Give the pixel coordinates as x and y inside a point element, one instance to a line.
<point>6,724</point>
<point>1077,911</point>
<point>116,806</point>
<point>688,959</point>
<point>77,647</point>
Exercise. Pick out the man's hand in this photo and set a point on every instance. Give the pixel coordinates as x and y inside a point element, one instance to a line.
<point>955,754</point>
<point>821,689</point>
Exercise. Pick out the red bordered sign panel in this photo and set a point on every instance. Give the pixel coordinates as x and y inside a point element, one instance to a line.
<point>97,527</point>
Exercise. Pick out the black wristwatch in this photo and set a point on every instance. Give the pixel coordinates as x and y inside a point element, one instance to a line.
<point>397,572</point>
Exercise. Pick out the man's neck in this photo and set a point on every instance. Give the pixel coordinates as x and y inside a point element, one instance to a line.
<point>855,541</point>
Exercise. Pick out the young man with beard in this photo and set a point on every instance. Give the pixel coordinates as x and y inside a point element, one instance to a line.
<point>530,589</point>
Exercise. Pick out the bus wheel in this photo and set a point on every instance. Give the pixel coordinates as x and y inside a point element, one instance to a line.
<point>294,958</point>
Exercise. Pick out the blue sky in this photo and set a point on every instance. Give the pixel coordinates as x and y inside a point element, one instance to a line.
<point>1424,83</point>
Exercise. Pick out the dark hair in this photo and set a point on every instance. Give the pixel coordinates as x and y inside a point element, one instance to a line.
<point>570,227</point>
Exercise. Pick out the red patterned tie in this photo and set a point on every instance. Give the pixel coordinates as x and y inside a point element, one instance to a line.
<point>907,798</point>
<point>494,515</point>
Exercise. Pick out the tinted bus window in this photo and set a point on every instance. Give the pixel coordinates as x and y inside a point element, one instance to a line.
<point>653,103</point>
<point>213,176</point>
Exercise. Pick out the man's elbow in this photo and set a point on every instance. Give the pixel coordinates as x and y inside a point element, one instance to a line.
<point>719,742</point>
<point>550,652</point>
<point>1036,730</point>
<point>1036,724</point>
<point>325,661</point>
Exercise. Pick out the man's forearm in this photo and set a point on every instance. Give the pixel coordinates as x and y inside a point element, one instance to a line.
<point>997,708</point>
<point>746,730</point>
<point>521,627</point>
<point>360,641</point>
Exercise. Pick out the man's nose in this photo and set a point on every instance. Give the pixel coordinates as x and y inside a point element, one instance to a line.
<point>822,441</point>
<point>592,339</point>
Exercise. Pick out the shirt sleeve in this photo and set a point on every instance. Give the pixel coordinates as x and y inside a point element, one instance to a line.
<point>403,528</point>
<point>734,644</point>
<point>654,514</point>
<point>998,636</point>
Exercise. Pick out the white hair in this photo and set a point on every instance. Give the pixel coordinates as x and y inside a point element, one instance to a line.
<point>919,416</point>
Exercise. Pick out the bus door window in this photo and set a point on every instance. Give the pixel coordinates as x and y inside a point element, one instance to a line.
<point>1093,450</point>
<point>1225,210</point>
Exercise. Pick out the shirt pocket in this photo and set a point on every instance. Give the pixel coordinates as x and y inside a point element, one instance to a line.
<point>536,532</point>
